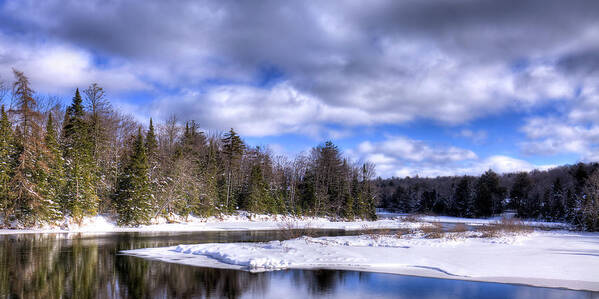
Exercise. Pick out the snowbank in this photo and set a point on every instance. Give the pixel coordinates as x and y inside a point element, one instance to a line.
<point>550,259</point>
<point>242,221</point>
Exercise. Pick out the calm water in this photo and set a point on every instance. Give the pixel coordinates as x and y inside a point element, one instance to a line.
<point>89,266</point>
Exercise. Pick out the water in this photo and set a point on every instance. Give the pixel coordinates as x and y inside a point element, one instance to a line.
<point>90,266</point>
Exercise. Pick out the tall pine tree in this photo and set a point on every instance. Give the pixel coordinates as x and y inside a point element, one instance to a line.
<point>55,180</point>
<point>133,196</point>
<point>80,196</point>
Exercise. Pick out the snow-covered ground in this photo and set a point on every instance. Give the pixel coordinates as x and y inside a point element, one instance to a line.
<point>550,259</point>
<point>242,221</point>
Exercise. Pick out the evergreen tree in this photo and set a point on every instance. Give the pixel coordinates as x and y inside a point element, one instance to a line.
<point>572,207</point>
<point>133,196</point>
<point>233,148</point>
<point>55,177</point>
<point>489,195</point>
<point>367,194</point>
<point>463,198</point>
<point>557,201</point>
<point>151,143</point>
<point>519,195</point>
<point>80,198</point>
<point>7,163</point>
<point>259,196</point>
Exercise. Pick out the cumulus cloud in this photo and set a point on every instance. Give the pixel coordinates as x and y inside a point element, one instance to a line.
<point>338,65</point>
<point>388,62</point>
<point>58,68</point>
<point>400,156</point>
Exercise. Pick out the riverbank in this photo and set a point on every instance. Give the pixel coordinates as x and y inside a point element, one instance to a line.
<point>243,221</point>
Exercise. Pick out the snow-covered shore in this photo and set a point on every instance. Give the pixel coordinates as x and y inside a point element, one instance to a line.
<point>243,221</point>
<point>550,259</point>
<point>239,222</point>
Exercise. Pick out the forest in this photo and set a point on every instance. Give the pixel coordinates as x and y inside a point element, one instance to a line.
<point>86,159</point>
<point>563,194</point>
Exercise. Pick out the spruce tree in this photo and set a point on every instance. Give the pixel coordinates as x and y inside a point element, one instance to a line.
<point>233,148</point>
<point>7,163</point>
<point>489,195</point>
<point>367,195</point>
<point>259,196</point>
<point>519,195</point>
<point>133,195</point>
<point>55,179</point>
<point>80,196</point>
<point>151,143</point>
<point>463,198</point>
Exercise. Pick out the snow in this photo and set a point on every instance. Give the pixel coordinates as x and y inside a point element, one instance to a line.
<point>241,221</point>
<point>550,259</point>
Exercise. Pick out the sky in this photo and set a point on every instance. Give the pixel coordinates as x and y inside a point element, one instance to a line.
<point>428,88</point>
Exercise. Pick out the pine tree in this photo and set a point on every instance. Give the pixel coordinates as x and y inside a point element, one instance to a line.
<point>151,143</point>
<point>258,196</point>
<point>489,195</point>
<point>80,196</point>
<point>367,195</point>
<point>133,196</point>
<point>233,148</point>
<point>519,195</point>
<point>557,201</point>
<point>463,198</point>
<point>7,163</point>
<point>55,179</point>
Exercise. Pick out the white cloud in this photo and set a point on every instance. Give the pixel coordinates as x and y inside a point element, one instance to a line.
<point>58,68</point>
<point>400,157</point>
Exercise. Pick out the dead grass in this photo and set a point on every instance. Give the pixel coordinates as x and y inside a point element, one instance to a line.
<point>460,228</point>
<point>291,228</point>
<point>404,232</point>
<point>374,233</point>
<point>511,226</point>
<point>435,231</point>
<point>412,218</point>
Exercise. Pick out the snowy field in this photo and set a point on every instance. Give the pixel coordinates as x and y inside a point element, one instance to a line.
<point>243,221</point>
<point>558,259</point>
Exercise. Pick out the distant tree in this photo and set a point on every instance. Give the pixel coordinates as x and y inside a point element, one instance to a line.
<point>557,201</point>
<point>519,195</point>
<point>489,195</point>
<point>463,198</point>
<point>590,209</point>
<point>368,195</point>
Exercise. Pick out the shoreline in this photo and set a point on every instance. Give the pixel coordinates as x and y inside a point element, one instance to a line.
<point>242,222</point>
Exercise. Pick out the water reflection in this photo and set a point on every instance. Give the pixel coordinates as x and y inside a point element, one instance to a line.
<point>84,266</point>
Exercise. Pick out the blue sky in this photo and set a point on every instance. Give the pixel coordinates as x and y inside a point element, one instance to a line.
<point>418,87</point>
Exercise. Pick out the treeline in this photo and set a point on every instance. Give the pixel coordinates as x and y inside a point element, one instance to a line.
<point>89,159</point>
<point>568,193</point>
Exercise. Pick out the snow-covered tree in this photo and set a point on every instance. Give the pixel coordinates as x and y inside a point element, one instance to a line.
<point>80,197</point>
<point>133,196</point>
